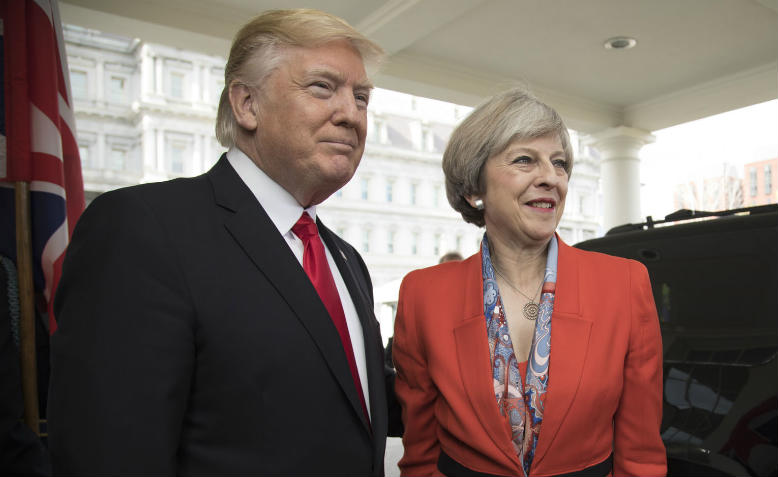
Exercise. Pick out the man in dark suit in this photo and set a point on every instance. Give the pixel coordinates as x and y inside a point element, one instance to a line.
<point>203,328</point>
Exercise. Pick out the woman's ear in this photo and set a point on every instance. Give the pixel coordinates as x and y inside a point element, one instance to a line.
<point>475,202</point>
<point>244,102</point>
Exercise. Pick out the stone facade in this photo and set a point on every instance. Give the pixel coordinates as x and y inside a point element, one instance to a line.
<point>145,112</point>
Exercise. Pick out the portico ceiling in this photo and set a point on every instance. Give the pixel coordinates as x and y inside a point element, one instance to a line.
<point>693,58</point>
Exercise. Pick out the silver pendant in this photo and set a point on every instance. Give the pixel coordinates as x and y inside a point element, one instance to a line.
<point>531,311</point>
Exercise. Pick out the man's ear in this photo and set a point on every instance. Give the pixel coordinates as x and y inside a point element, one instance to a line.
<point>245,107</point>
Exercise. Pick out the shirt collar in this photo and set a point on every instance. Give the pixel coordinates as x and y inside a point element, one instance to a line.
<point>282,208</point>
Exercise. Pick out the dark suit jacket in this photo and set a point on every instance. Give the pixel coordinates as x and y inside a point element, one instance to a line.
<point>191,341</point>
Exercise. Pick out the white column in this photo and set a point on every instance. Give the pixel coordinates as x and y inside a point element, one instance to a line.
<point>149,146</point>
<point>196,166</point>
<point>196,92</point>
<point>147,73</point>
<point>205,75</point>
<point>160,164</point>
<point>158,75</point>
<point>620,173</point>
<point>100,82</point>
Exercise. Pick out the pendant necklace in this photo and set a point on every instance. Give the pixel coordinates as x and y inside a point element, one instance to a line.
<point>531,309</point>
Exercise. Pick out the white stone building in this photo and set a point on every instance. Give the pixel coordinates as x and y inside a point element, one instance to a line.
<point>146,112</point>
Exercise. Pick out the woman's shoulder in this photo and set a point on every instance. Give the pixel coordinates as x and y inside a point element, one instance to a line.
<point>454,268</point>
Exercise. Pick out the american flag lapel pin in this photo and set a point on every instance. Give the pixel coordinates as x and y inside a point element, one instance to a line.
<point>342,255</point>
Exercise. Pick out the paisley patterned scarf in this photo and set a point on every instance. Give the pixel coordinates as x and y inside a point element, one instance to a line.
<point>522,405</point>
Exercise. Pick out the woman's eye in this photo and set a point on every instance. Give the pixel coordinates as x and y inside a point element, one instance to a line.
<point>560,163</point>
<point>522,160</point>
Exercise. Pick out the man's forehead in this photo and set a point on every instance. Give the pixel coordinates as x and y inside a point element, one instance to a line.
<point>332,60</point>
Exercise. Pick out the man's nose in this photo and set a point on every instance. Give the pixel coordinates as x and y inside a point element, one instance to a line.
<point>347,112</point>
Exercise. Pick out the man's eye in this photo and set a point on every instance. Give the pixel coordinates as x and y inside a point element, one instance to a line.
<point>362,98</point>
<point>321,84</point>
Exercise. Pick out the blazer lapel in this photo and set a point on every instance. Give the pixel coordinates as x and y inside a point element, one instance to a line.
<point>569,346</point>
<point>472,351</point>
<point>360,296</point>
<point>252,229</point>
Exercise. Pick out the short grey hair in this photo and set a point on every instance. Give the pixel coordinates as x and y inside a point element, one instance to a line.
<point>511,115</point>
<point>258,48</point>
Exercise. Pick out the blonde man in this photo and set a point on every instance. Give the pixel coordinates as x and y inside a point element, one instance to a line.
<point>213,325</point>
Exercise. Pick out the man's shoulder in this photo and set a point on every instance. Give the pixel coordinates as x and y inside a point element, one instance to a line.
<point>175,195</point>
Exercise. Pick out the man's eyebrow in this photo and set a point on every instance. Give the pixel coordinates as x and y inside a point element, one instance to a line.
<point>338,77</point>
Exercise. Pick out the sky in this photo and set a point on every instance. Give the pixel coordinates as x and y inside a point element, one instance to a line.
<point>700,148</point>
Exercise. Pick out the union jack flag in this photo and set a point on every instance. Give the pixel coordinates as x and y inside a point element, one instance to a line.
<point>38,143</point>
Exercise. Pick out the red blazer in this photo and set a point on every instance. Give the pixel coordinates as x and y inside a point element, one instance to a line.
<point>605,384</point>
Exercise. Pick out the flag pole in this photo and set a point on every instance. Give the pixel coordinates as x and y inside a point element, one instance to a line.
<point>26,305</point>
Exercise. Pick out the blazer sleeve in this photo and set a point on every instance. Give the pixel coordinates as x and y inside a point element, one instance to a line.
<point>123,354</point>
<point>638,449</point>
<point>415,389</point>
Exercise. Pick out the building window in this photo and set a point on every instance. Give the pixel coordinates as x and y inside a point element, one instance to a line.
<point>176,85</point>
<point>390,191</point>
<point>414,193</point>
<point>339,193</point>
<point>177,152</point>
<point>436,250</point>
<point>364,185</point>
<point>589,234</point>
<point>436,196</point>
<point>390,237</point>
<point>78,84</point>
<point>116,89</point>
<point>459,243</point>
<point>583,205</point>
<point>83,153</point>
<point>116,159</point>
<point>366,241</point>
<point>752,181</point>
<point>425,140</point>
<point>768,179</point>
<point>415,243</point>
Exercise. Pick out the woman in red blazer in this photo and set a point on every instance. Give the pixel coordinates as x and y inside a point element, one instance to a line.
<point>530,357</point>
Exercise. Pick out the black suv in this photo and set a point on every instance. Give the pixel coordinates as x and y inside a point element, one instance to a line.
<point>715,282</point>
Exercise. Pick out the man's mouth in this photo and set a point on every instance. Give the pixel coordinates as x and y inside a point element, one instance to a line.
<point>341,142</point>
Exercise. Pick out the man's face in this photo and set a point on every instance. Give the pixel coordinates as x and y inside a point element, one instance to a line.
<point>312,120</point>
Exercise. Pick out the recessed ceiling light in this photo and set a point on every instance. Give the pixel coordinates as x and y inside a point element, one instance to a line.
<point>620,43</point>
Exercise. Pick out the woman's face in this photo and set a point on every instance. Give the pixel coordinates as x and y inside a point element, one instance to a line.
<point>526,186</point>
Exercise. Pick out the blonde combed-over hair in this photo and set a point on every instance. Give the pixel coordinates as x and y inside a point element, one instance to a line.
<point>258,49</point>
<point>511,115</point>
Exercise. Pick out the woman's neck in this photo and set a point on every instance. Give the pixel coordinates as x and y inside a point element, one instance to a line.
<point>521,265</point>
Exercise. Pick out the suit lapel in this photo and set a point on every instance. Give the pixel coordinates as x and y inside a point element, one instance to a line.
<point>358,290</point>
<point>569,346</point>
<point>254,232</point>
<point>471,348</point>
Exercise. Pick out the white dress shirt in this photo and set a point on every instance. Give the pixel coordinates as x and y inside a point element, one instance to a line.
<point>284,211</point>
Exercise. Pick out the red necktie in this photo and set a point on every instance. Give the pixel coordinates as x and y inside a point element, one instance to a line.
<point>317,269</point>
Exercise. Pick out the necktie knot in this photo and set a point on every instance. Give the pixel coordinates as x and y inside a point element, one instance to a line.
<point>305,228</point>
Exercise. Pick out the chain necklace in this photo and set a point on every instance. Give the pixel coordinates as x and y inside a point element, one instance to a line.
<point>530,310</point>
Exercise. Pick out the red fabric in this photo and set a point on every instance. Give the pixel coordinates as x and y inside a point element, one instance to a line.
<point>604,393</point>
<point>317,269</point>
